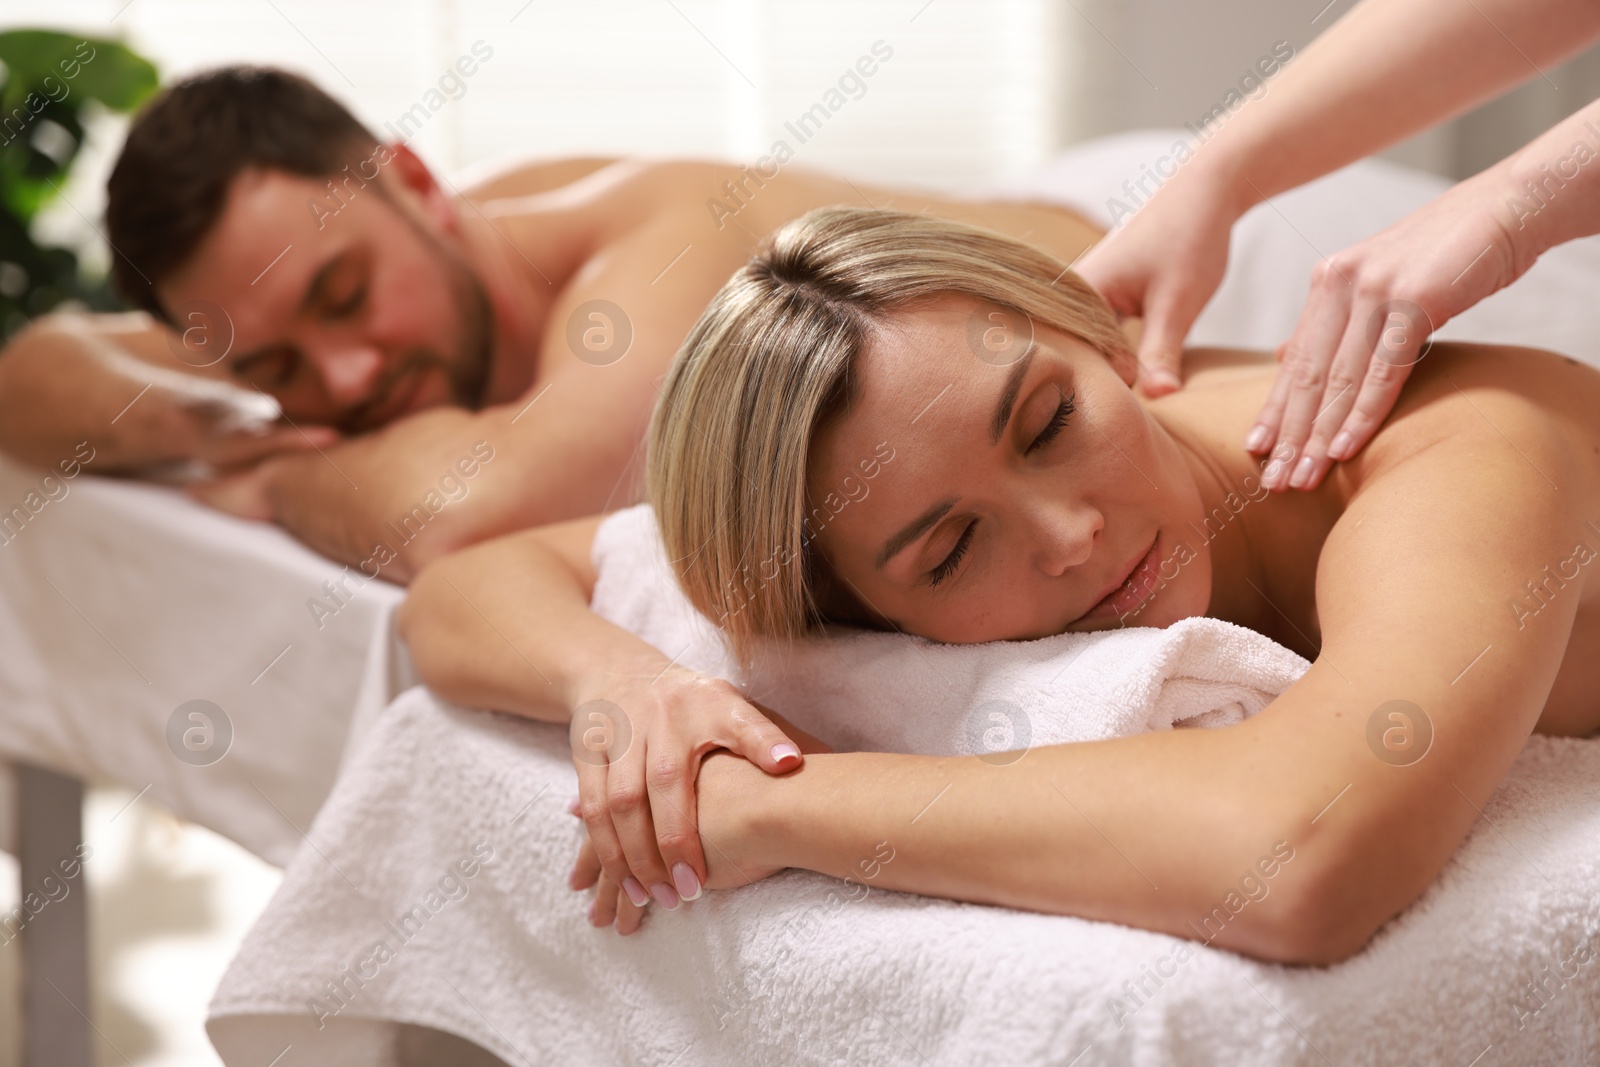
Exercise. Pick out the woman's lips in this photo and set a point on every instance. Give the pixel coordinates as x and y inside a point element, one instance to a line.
<point>1136,588</point>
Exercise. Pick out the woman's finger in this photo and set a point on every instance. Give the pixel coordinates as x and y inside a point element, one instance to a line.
<point>629,799</point>
<point>586,871</point>
<point>604,909</point>
<point>595,810</point>
<point>629,915</point>
<point>669,783</point>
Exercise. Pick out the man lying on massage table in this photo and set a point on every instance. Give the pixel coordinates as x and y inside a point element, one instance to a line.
<point>450,363</point>
<point>831,446</point>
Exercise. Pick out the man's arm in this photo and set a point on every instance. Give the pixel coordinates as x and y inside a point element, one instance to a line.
<point>1294,835</point>
<point>114,381</point>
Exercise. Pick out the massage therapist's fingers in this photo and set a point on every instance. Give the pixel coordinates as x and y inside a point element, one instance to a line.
<point>1400,343</point>
<point>1338,396</point>
<point>1284,422</point>
<point>1379,392</point>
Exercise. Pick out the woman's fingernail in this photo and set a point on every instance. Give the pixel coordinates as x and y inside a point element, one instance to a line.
<point>784,751</point>
<point>635,891</point>
<point>665,895</point>
<point>593,910</point>
<point>683,877</point>
<point>572,878</point>
<point>1340,443</point>
<point>1257,438</point>
<point>1302,472</point>
<point>572,806</point>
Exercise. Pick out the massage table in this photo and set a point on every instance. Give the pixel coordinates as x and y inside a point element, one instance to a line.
<point>123,603</point>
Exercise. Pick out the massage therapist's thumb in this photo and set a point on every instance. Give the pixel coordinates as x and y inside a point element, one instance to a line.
<point>1160,355</point>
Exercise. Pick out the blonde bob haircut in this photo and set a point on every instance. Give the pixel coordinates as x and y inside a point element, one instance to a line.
<point>768,365</point>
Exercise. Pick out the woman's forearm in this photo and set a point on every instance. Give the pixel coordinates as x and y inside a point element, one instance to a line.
<point>1385,71</point>
<point>1115,831</point>
<point>506,625</point>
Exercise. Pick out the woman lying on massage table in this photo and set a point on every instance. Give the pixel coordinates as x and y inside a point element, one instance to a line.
<point>1022,490</point>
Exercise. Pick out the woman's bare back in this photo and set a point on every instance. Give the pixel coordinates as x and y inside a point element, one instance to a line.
<point>1460,402</point>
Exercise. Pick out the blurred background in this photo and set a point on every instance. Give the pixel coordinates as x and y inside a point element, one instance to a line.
<point>974,91</point>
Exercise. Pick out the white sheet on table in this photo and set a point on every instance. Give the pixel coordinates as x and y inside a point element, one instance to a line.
<point>120,601</point>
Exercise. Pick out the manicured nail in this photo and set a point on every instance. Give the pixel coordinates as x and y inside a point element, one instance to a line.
<point>1340,444</point>
<point>593,912</point>
<point>665,895</point>
<point>1166,379</point>
<point>572,806</point>
<point>572,878</point>
<point>683,877</point>
<point>635,891</point>
<point>784,751</point>
<point>1302,472</point>
<point>1257,438</point>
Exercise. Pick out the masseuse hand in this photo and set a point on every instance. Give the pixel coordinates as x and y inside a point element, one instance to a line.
<point>1371,309</point>
<point>637,743</point>
<point>723,791</point>
<point>1164,264</point>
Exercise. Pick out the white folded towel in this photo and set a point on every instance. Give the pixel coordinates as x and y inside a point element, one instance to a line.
<point>885,692</point>
<point>379,919</point>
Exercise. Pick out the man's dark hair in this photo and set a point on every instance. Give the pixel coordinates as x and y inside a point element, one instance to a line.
<point>171,181</point>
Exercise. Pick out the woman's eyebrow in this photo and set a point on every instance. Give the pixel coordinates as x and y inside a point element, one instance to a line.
<point>1008,395</point>
<point>913,530</point>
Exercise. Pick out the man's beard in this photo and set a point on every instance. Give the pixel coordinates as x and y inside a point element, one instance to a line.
<point>468,372</point>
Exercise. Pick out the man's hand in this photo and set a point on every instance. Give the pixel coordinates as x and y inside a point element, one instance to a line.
<point>1371,310</point>
<point>245,459</point>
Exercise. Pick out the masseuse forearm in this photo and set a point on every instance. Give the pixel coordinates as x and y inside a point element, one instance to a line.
<point>1552,186</point>
<point>1385,71</point>
<point>1129,831</point>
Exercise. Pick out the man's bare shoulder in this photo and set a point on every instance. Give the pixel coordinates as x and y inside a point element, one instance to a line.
<point>527,177</point>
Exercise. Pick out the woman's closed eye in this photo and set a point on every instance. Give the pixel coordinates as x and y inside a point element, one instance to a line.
<point>953,560</point>
<point>1057,423</point>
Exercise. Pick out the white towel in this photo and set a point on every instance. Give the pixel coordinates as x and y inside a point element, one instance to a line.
<point>1497,963</point>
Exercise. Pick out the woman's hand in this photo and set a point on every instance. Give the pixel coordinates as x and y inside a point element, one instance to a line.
<point>1164,265</point>
<point>637,744</point>
<point>724,789</point>
<point>1371,310</point>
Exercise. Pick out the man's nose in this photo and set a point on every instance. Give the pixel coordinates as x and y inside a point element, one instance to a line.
<point>348,372</point>
<point>1066,534</point>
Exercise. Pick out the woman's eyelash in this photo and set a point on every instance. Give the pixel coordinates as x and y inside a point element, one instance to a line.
<point>1057,423</point>
<point>948,567</point>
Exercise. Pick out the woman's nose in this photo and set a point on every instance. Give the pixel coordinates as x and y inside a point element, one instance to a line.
<point>1066,537</point>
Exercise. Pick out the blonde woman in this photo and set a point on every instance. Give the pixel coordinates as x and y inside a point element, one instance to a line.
<point>1032,493</point>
